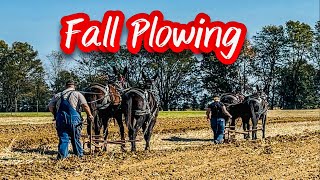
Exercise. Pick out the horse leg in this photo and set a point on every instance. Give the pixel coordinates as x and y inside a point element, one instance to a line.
<point>97,128</point>
<point>225,125</point>
<point>121,127</point>
<point>254,126</point>
<point>89,130</point>
<point>132,138</point>
<point>226,121</point>
<point>88,127</point>
<point>147,134</point>
<point>264,118</point>
<point>248,128</point>
<point>105,121</point>
<point>244,126</point>
<point>233,124</point>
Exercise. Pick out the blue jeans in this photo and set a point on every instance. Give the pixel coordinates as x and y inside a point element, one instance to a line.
<point>217,125</point>
<point>67,132</point>
<point>69,125</point>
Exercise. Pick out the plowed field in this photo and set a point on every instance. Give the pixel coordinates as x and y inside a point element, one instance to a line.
<point>181,148</point>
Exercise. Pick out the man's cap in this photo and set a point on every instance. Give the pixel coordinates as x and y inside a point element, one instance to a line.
<point>216,98</point>
<point>70,82</point>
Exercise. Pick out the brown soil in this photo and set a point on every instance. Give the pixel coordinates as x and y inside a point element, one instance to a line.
<point>181,149</point>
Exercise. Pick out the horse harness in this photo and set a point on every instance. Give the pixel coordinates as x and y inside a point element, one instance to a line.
<point>261,101</point>
<point>145,95</point>
<point>111,95</point>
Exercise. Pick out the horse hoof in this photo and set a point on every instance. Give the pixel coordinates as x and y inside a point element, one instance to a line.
<point>98,149</point>
<point>123,149</point>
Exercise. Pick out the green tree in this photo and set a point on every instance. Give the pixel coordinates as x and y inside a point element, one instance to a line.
<point>4,55</point>
<point>63,76</point>
<point>57,62</point>
<point>20,65</point>
<point>316,45</point>
<point>299,39</point>
<point>244,68</point>
<point>316,58</point>
<point>176,71</point>
<point>269,45</point>
<point>218,78</point>
<point>306,96</point>
<point>177,75</point>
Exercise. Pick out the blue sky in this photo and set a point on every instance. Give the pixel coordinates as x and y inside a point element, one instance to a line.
<point>38,21</point>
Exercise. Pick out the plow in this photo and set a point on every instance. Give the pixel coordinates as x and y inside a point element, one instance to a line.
<point>97,141</point>
<point>230,132</point>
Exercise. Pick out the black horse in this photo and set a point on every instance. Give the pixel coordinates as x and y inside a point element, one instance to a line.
<point>253,107</point>
<point>141,111</point>
<point>257,105</point>
<point>230,99</point>
<point>105,104</point>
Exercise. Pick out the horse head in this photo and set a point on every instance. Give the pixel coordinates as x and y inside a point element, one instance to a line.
<point>121,80</point>
<point>149,82</point>
<point>261,93</point>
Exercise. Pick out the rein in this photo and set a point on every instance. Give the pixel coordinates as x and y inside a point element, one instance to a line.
<point>93,93</point>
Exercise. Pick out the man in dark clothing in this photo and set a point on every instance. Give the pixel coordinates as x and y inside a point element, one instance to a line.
<point>217,110</point>
<point>66,108</point>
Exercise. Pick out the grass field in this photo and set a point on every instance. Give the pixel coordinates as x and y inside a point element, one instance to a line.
<point>178,119</point>
<point>182,114</point>
<point>163,114</point>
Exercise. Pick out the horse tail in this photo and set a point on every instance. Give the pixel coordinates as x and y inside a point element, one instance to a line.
<point>253,114</point>
<point>129,113</point>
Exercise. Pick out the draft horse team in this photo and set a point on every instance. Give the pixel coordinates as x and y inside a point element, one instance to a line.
<point>140,107</point>
<point>113,99</point>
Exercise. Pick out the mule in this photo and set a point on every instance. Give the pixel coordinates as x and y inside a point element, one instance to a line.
<point>229,99</point>
<point>141,111</point>
<point>257,105</point>
<point>105,104</point>
<point>253,107</point>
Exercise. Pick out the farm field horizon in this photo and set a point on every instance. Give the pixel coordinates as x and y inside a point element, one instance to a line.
<point>46,117</point>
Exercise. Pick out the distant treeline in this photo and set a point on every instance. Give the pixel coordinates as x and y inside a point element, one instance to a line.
<point>284,59</point>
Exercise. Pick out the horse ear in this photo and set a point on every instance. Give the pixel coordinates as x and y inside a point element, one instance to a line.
<point>115,71</point>
<point>125,71</point>
<point>143,75</point>
<point>257,87</point>
<point>155,76</point>
<point>265,89</point>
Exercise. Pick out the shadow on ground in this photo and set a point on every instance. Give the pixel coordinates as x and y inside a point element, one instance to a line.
<point>35,150</point>
<point>181,139</point>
